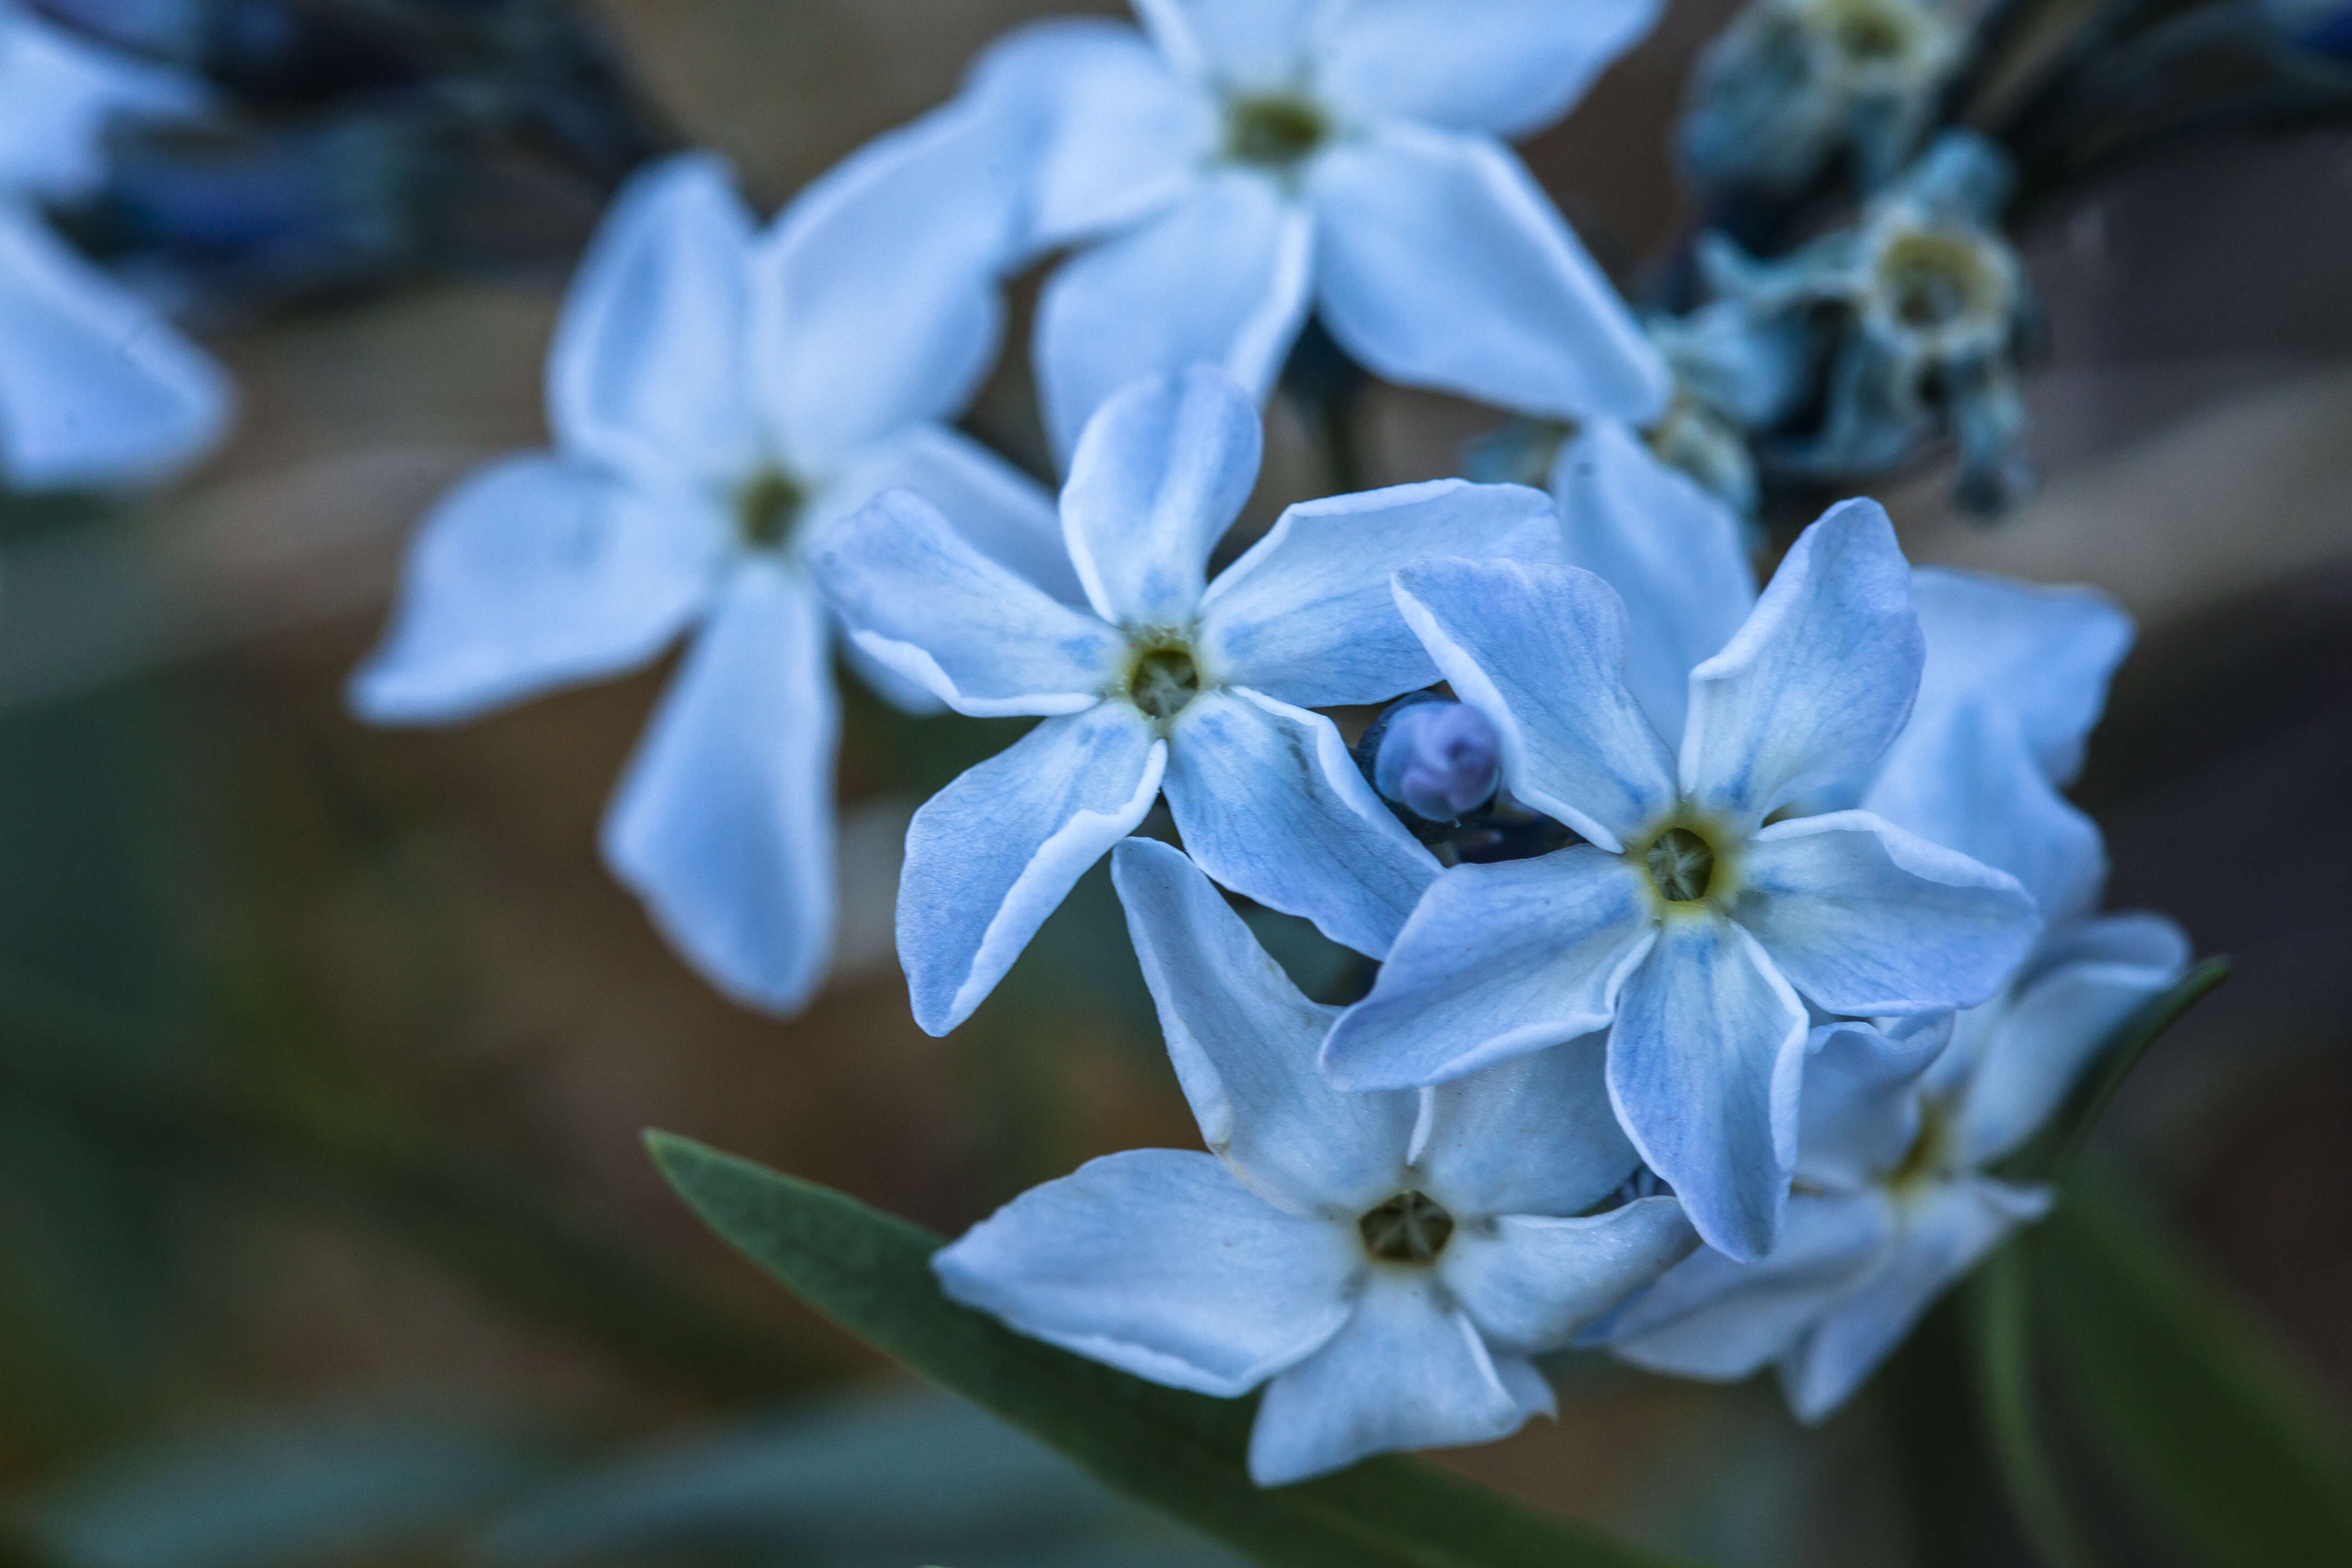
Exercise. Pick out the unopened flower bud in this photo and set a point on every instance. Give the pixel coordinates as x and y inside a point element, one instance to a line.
<point>1439,760</point>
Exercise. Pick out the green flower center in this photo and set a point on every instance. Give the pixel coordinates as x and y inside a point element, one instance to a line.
<point>1411,1228</point>
<point>1682,864</point>
<point>1935,281</point>
<point>766,508</point>
<point>1274,131</point>
<point>1164,681</point>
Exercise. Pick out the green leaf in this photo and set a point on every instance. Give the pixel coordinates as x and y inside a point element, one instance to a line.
<point>2000,1335</point>
<point>2185,1399</point>
<point>1181,1452</point>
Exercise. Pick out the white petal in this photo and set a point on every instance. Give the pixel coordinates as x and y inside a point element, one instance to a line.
<point>1220,278</point>
<point>724,822</point>
<point>1531,1281</point>
<point>534,574</point>
<point>993,853</point>
<point>1245,1041</point>
<point>647,373</point>
<point>1510,67</point>
<point>1532,1135</point>
<point>2041,655</point>
<point>1820,679</point>
<point>1440,263</point>
<point>2090,981</point>
<point>918,600</point>
<point>1866,919</point>
<point>875,303</point>
<point>1243,43</point>
<point>1704,1062</point>
<point>1306,614</point>
<point>1496,961</point>
<point>96,387</point>
<point>1158,1263</point>
<point>1943,1237</point>
<point>1271,805</point>
<point>1860,1105</point>
<point>1714,1318</point>
<point>1541,651</point>
<point>1008,517</point>
<point>57,98</point>
<point>1409,1370</point>
<point>1672,551</point>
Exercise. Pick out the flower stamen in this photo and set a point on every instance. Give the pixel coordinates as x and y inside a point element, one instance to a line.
<point>1411,1228</point>
<point>1682,865</point>
<point>766,508</point>
<point>1272,131</point>
<point>1162,682</point>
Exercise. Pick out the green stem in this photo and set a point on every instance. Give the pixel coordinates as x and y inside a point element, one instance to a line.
<point>2002,1339</point>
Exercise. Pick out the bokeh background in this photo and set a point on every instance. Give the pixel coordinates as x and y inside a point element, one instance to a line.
<point>325,1231</point>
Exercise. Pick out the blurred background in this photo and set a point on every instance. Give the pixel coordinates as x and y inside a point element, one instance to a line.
<point>325,1231</point>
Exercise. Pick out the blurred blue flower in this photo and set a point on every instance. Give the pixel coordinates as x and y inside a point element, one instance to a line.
<point>1439,760</point>
<point>1163,680</point>
<point>1244,161</point>
<point>1386,1264</point>
<point>719,396</point>
<point>1701,909</point>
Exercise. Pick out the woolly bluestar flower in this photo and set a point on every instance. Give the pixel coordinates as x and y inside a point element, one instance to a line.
<point>720,396</point>
<point>1170,681</point>
<point>1251,159</point>
<point>1386,1264</point>
<point>96,388</point>
<point>1700,910</point>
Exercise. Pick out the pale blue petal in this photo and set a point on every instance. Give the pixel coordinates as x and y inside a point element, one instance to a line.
<point>1541,651</point>
<point>1867,919</point>
<point>917,599</point>
<point>1812,688</point>
<point>1271,804</point>
<point>1705,1062</point>
<point>1240,43</point>
<point>993,853</point>
<point>534,574</point>
<point>1245,1041</point>
<point>1409,1370</point>
<point>1532,1135</point>
<point>723,824</point>
<point>57,98</point>
<point>1220,278</point>
<point>647,371</point>
<point>1670,549</point>
<point>1496,961</point>
<point>1859,1109</point>
<point>2041,655</point>
<point>1158,1263</point>
<point>1531,1282</point>
<point>1158,476</point>
<point>1511,67</point>
<point>1440,263</point>
<point>1306,615</point>
<point>1007,516</point>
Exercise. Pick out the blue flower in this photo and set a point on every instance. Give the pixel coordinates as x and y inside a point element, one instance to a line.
<point>1244,161</point>
<point>719,396</point>
<point>96,388</point>
<point>1164,680</point>
<point>1701,908</point>
<point>1386,1264</point>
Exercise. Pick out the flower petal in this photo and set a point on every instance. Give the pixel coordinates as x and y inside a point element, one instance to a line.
<point>1859,1109</point>
<point>647,373</point>
<point>1245,1041</point>
<point>1513,68</point>
<point>1220,278</point>
<point>1159,1263</point>
<point>1008,517</point>
<point>1532,1282</point>
<point>531,574</point>
<point>1531,1135</point>
<point>993,853</point>
<point>97,388</point>
<point>919,599</point>
<point>57,98</point>
<point>1541,651</point>
<point>1704,1062</point>
<point>1496,961</point>
<point>1240,43</point>
<point>1810,690</point>
<point>1440,263</point>
<point>1409,1370</point>
<point>724,822</point>
<point>1672,551</point>
<point>1867,919</point>
<point>1306,615</point>
<point>2042,654</point>
<point>1271,805</point>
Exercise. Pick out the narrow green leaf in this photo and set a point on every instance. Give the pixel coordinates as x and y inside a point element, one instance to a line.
<point>1181,1452</point>
<point>2000,1335</point>
<point>2186,1400</point>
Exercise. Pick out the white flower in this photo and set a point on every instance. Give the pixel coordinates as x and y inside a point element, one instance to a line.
<point>719,396</point>
<point>1701,909</point>
<point>1250,159</point>
<point>96,388</point>
<point>1386,1264</point>
<point>1165,681</point>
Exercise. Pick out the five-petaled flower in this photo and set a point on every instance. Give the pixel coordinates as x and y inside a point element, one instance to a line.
<point>1387,1264</point>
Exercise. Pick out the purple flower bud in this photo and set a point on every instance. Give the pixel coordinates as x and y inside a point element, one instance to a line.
<point>1438,761</point>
